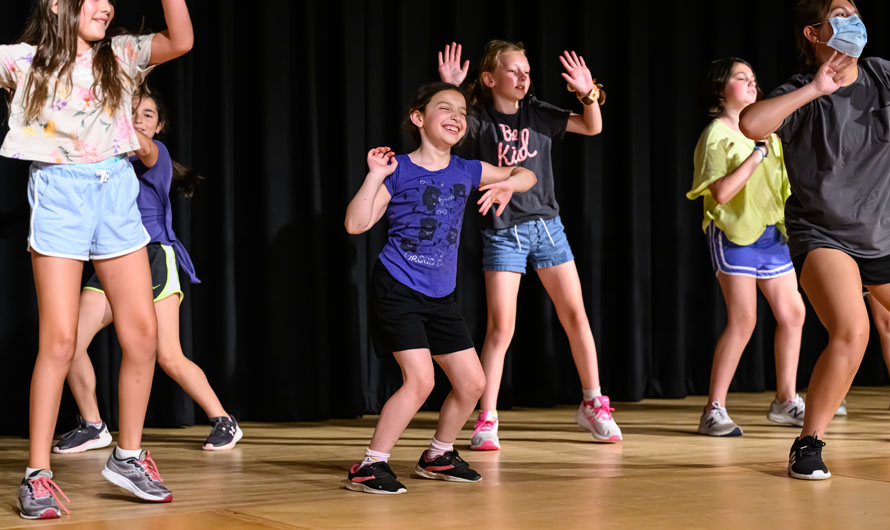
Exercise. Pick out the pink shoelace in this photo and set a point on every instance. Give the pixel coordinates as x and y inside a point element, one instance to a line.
<point>150,467</point>
<point>483,425</point>
<point>604,411</point>
<point>44,487</point>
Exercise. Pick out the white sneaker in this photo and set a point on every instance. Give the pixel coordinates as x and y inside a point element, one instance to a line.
<point>716,422</point>
<point>842,409</point>
<point>596,417</point>
<point>788,413</point>
<point>485,435</point>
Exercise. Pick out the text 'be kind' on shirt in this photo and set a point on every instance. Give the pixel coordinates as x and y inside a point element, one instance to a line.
<point>523,139</point>
<point>425,215</point>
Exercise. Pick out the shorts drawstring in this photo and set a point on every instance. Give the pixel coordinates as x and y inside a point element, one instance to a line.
<point>103,176</point>
<point>548,232</point>
<point>516,233</point>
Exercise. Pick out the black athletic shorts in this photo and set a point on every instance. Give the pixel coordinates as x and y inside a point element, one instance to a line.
<point>164,273</point>
<point>404,319</point>
<point>873,271</point>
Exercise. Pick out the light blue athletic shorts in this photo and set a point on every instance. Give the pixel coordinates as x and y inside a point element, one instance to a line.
<point>85,211</point>
<point>768,257</point>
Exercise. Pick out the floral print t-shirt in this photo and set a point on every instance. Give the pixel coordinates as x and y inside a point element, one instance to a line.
<point>74,127</point>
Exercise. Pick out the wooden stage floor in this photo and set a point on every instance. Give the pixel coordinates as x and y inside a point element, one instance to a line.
<point>549,474</point>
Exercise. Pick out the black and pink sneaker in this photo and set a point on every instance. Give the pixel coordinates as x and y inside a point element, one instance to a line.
<point>374,478</point>
<point>449,466</point>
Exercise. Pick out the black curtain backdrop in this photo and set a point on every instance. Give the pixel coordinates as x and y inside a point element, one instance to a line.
<point>277,106</point>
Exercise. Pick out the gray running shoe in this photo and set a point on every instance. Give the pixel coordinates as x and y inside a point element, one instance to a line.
<point>37,497</point>
<point>842,409</point>
<point>225,434</point>
<point>716,422</point>
<point>787,413</point>
<point>83,438</point>
<point>139,476</point>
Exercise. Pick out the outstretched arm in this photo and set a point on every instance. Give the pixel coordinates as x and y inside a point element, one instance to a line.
<point>762,118</point>
<point>148,150</point>
<point>450,69</point>
<point>577,75</point>
<point>368,205</point>
<point>500,183</point>
<point>178,38</point>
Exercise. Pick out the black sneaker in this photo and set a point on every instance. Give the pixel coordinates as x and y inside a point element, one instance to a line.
<point>374,478</point>
<point>805,460</point>
<point>225,434</point>
<point>449,466</point>
<point>83,438</point>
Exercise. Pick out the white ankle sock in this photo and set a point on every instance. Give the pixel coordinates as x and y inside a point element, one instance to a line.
<point>123,454</point>
<point>438,449</point>
<point>590,393</point>
<point>372,457</point>
<point>30,471</point>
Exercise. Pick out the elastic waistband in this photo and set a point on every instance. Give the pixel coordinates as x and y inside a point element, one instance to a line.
<point>81,170</point>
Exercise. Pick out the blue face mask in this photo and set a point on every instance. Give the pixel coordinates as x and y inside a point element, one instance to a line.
<point>849,35</point>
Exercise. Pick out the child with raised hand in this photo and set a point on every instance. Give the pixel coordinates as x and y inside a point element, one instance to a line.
<point>512,128</point>
<point>414,314</point>
<point>834,122</point>
<point>744,186</point>
<point>156,172</point>
<point>70,113</point>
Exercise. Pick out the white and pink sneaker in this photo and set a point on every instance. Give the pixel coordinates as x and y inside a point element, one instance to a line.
<point>485,435</point>
<point>596,417</point>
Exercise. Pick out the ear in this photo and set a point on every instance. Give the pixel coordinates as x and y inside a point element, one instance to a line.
<point>160,127</point>
<point>809,33</point>
<point>416,118</point>
<point>488,79</point>
<point>55,7</point>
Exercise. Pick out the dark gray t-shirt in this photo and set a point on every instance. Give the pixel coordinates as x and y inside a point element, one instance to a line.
<point>520,139</point>
<point>837,152</point>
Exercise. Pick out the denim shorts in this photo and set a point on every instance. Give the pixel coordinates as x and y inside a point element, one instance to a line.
<point>541,242</point>
<point>768,257</point>
<point>85,211</point>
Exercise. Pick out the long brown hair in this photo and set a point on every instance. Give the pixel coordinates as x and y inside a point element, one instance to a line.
<point>55,39</point>
<point>480,94</point>
<point>807,13</point>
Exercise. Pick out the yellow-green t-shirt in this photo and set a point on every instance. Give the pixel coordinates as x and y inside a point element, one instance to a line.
<point>761,202</point>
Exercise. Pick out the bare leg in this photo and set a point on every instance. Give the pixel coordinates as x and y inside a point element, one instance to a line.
<point>564,287</point>
<point>501,289</point>
<point>95,314</point>
<point>180,368</point>
<point>400,408</point>
<point>467,383</point>
<point>788,308</point>
<point>832,283</point>
<point>880,315</point>
<point>57,282</point>
<point>127,283</point>
<point>740,296</point>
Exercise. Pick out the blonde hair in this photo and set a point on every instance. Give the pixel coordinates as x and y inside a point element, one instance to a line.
<point>480,94</point>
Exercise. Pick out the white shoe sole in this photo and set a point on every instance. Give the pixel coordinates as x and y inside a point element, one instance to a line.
<point>124,482</point>
<point>104,440</point>
<point>784,420</point>
<point>440,476</point>
<point>358,486</point>
<point>238,435</point>
<point>817,475</point>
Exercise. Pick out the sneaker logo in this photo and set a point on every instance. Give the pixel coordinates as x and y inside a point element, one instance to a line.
<point>711,422</point>
<point>362,479</point>
<point>795,411</point>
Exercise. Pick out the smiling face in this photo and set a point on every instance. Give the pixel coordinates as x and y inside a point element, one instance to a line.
<point>741,87</point>
<point>93,21</point>
<point>510,79</point>
<point>444,119</point>
<point>145,116</point>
